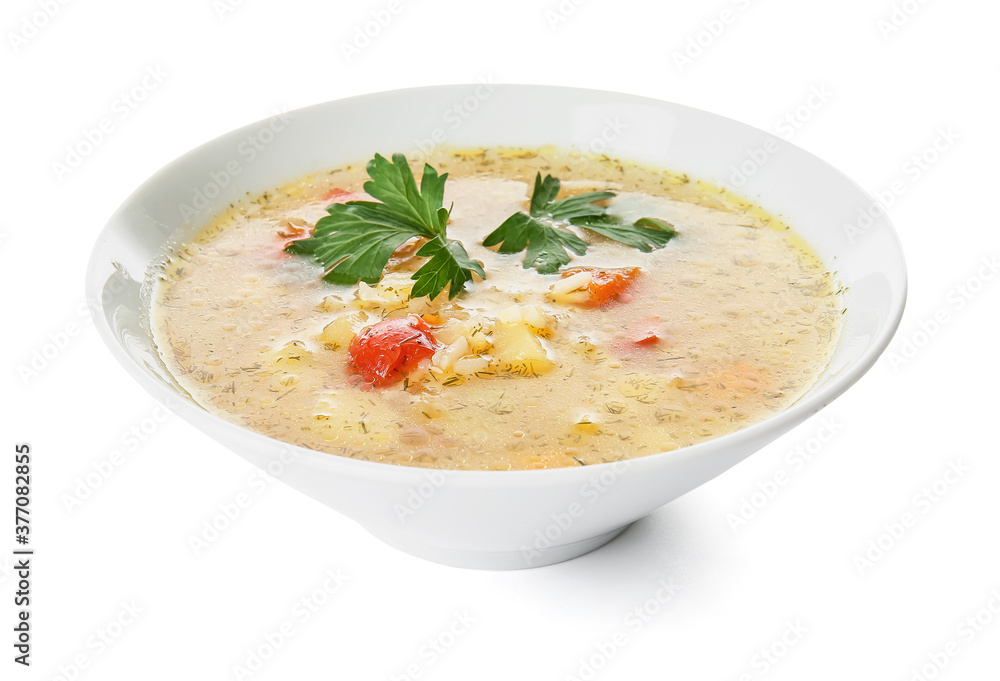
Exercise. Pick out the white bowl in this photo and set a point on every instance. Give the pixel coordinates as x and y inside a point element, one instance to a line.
<point>513,519</point>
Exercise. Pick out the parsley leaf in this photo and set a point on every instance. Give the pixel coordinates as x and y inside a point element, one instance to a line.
<point>355,241</point>
<point>449,266</point>
<point>644,234</point>
<point>548,244</point>
<point>543,203</point>
<point>393,184</point>
<point>544,193</point>
<point>579,206</point>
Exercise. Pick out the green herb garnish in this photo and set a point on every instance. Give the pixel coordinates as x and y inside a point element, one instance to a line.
<point>645,234</point>
<point>355,241</point>
<point>547,242</point>
<point>449,266</point>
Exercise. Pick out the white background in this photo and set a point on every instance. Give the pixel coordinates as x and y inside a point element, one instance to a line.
<point>795,563</point>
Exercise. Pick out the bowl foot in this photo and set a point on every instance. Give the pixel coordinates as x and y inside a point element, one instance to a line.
<point>498,560</point>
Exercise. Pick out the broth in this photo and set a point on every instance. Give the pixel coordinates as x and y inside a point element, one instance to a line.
<point>743,317</point>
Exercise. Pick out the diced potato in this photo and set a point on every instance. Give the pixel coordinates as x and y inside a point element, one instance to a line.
<point>389,294</point>
<point>573,298</point>
<point>572,290</point>
<point>475,330</point>
<point>426,306</point>
<point>511,315</point>
<point>473,364</point>
<point>341,331</point>
<point>292,355</point>
<point>519,351</point>
<point>331,303</point>
<point>534,316</point>
<point>428,408</point>
<point>446,357</point>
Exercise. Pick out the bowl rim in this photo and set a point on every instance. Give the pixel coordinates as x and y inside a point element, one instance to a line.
<point>771,427</point>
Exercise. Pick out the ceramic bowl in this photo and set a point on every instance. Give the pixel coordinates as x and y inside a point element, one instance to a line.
<point>494,519</point>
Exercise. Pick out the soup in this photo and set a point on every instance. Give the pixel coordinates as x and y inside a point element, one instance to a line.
<point>686,313</point>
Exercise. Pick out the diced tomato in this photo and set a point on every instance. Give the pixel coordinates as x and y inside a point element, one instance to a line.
<point>639,336</point>
<point>338,195</point>
<point>386,351</point>
<point>645,331</point>
<point>607,285</point>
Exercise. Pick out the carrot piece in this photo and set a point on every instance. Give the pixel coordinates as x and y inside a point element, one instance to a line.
<point>607,285</point>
